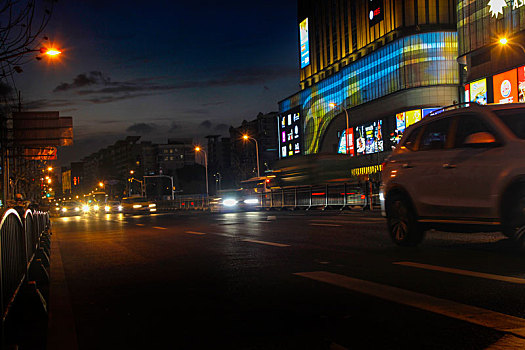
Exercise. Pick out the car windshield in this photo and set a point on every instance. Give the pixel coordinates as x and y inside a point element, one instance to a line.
<point>514,119</point>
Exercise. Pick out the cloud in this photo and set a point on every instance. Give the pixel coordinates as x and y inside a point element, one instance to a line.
<point>84,79</point>
<point>205,124</point>
<point>221,127</point>
<point>174,126</point>
<point>98,88</point>
<point>142,128</point>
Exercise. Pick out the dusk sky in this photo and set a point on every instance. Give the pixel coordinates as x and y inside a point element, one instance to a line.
<point>163,69</point>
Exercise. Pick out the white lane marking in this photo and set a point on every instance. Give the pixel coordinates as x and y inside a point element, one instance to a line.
<point>328,225</point>
<point>61,328</point>
<point>140,224</point>
<point>267,243</point>
<point>159,228</point>
<point>462,272</point>
<point>472,314</point>
<point>196,233</point>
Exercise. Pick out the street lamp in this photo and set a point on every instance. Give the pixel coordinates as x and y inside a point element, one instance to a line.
<point>334,105</point>
<point>246,137</point>
<point>199,149</point>
<point>504,41</point>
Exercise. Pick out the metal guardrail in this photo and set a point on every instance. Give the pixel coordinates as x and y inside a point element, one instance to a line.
<point>20,240</point>
<point>334,196</point>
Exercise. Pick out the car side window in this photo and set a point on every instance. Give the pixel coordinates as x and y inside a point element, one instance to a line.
<point>468,125</point>
<point>411,141</point>
<point>435,135</point>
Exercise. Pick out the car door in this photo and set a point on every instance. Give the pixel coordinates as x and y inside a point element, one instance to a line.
<point>419,171</point>
<point>471,171</point>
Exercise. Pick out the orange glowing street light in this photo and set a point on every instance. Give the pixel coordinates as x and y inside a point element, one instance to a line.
<point>199,149</point>
<point>51,52</point>
<point>49,169</point>
<point>246,137</point>
<point>101,184</point>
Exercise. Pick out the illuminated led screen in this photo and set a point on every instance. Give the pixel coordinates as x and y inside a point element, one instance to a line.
<point>347,146</point>
<point>289,134</point>
<point>369,138</point>
<point>375,11</point>
<point>405,119</point>
<point>507,87</point>
<point>426,59</point>
<point>305,45</point>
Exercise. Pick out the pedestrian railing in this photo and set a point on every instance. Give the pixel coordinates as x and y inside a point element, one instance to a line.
<point>20,239</point>
<point>331,196</point>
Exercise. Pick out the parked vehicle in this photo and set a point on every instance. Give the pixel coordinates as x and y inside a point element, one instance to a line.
<point>460,170</point>
<point>137,205</point>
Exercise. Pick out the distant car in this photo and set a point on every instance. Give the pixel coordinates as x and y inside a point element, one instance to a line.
<point>461,170</point>
<point>137,205</point>
<point>113,207</point>
<point>71,208</point>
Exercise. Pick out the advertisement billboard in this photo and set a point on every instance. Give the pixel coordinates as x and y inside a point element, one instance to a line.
<point>506,87</point>
<point>369,138</point>
<point>478,91</point>
<point>412,117</point>
<point>290,134</point>
<point>347,146</point>
<point>521,84</point>
<point>375,11</point>
<point>305,45</point>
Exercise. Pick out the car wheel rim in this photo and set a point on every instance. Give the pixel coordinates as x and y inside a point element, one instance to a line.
<point>400,220</point>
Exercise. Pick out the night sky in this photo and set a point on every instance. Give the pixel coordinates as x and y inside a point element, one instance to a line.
<point>163,69</point>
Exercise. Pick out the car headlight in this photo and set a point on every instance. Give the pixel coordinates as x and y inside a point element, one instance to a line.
<point>120,208</point>
<point>107,208</point>
<point>57,208</point>
<point>229,202</point>
<point>251,201</point>
<point>96,207</point>
<point>85,208</point>
<point>136,206</point>
<point>152,205</point>
<point>77,208</point>
<point>64,209</point>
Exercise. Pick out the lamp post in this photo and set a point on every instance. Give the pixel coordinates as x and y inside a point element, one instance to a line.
<point>334,105</point>
<point>246,137</point>
<point>199,149</point>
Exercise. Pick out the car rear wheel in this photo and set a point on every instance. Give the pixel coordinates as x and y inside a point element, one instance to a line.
<point>402,224</point>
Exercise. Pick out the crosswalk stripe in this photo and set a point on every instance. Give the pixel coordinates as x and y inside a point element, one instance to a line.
<point>472,314</point>
<point>509,279</point>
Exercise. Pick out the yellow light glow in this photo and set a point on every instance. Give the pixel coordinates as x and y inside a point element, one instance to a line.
<point>332,105</point>
<point>245,137</point>
<point>49,169</point>
<point>100,184</point>
<point>53,52</point>
<point>197,149</point>
<point>503,41</point>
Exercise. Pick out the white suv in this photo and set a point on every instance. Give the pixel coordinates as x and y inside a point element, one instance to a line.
<point>461,170</point>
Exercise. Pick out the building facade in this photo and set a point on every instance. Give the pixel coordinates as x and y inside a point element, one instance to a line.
<point>384,63</point>
<point>491,37</point>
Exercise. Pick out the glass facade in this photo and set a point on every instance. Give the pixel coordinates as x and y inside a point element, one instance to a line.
<point>414,61</point>
<point>478,26</point>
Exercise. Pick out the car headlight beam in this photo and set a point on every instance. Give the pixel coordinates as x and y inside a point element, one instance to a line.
<point>229,202</point>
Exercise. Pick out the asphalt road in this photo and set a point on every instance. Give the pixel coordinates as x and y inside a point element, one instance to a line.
<point>286,280</point>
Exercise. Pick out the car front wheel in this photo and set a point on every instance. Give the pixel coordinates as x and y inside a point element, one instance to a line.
<point>402,224</point>
<point>514,222</point>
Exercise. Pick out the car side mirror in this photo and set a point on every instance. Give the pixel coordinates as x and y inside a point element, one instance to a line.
<point>480,139</point>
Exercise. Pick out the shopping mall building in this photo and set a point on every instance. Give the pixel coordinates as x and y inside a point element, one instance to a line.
<point>385,63</point>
